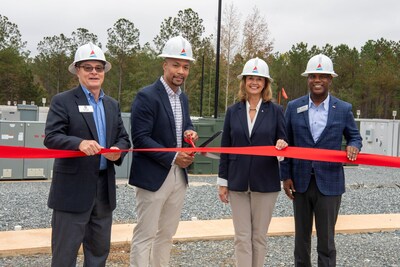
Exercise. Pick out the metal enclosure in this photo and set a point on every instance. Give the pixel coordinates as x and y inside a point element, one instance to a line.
<point>380,136</point>
<point>28,112</point>
<point>12,134</point>
<point>34,137</point>
<point>205,128</point>
<point>10,113</point>
<point>123,170</point>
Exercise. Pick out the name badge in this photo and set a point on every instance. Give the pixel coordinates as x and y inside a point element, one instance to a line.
<point>85,109</point>
<point>302,109</point>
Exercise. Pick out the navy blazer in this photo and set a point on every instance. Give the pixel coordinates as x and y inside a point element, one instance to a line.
<point>153,126</point>
<point>243,172</point>
<point>329,175</point>
<point>74,183</point>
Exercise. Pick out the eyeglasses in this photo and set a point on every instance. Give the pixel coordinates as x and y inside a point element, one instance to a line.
<point>89,68</point>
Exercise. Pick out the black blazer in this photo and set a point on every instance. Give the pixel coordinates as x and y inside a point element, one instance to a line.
<point>153,126</point>
<point>259,173</point>
<point>74,182</point>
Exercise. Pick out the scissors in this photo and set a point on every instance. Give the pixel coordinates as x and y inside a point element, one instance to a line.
<point>204,144</point>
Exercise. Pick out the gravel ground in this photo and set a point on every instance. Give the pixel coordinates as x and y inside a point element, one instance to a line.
<point>369,190</point>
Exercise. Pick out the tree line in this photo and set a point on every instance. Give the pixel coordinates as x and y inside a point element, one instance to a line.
<point>369,78</point>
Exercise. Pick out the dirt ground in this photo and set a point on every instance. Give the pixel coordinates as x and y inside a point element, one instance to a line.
<point>119,255</point>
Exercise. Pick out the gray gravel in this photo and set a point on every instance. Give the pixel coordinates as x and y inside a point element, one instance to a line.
<point>369,190</point>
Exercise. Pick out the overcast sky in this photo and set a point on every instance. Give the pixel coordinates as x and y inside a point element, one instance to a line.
<point>351,22</point>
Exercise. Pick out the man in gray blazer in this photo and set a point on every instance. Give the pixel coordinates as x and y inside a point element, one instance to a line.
<point>82,193</point>
<point>317,120</point>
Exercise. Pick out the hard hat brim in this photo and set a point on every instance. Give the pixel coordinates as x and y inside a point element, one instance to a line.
<point>177,57</point>
<point>72,67</point>
<point>254,74</point>
<point>306,73</point>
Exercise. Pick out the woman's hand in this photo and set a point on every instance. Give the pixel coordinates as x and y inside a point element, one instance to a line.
<point>281,144</point>
<point>223,194</point>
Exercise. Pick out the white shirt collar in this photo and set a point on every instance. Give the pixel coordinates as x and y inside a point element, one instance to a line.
<point>257,107</point>
<point>170,92</point>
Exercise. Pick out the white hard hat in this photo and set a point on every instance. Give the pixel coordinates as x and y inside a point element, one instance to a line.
<point>319,64</point>
<point>177,47</point>
<point>89,52</point>
<point>256,67</point>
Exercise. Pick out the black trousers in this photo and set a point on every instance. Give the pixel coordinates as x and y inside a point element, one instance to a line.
<point>92,229</point>
<point>325,209</point>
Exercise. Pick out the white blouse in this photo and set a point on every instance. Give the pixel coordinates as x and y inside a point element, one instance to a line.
<point>250,123</point>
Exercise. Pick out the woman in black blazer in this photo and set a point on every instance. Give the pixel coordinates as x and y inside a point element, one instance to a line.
<point>251,184</point>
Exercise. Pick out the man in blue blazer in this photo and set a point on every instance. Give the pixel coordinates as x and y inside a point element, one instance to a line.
<point>160,119</point>
<point>317,120</point>
<point>82,193</point>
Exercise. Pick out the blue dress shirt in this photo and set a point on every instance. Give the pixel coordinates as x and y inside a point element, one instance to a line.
<point>99,119</point>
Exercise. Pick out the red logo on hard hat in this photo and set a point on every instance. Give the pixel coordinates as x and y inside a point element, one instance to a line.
<point>183,52</point>
<point>92,54</point>
<point>255,70</point>
<point>319,67</point>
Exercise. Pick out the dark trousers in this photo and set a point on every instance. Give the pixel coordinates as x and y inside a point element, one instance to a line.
<point>325,209</point>
<point>91,228</point>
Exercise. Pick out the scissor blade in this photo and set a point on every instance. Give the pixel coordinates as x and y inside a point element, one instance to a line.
<point>210,155</point>
<point>209,140</point>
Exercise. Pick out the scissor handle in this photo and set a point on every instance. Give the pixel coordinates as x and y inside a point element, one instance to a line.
<point>189,140</point>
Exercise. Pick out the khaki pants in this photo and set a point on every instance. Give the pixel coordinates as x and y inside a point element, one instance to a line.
<point>158,215</point>
<point>251,214</point>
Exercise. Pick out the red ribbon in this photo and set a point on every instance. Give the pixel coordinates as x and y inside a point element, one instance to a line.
<point>290,152</point>
<point>18,152</point>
